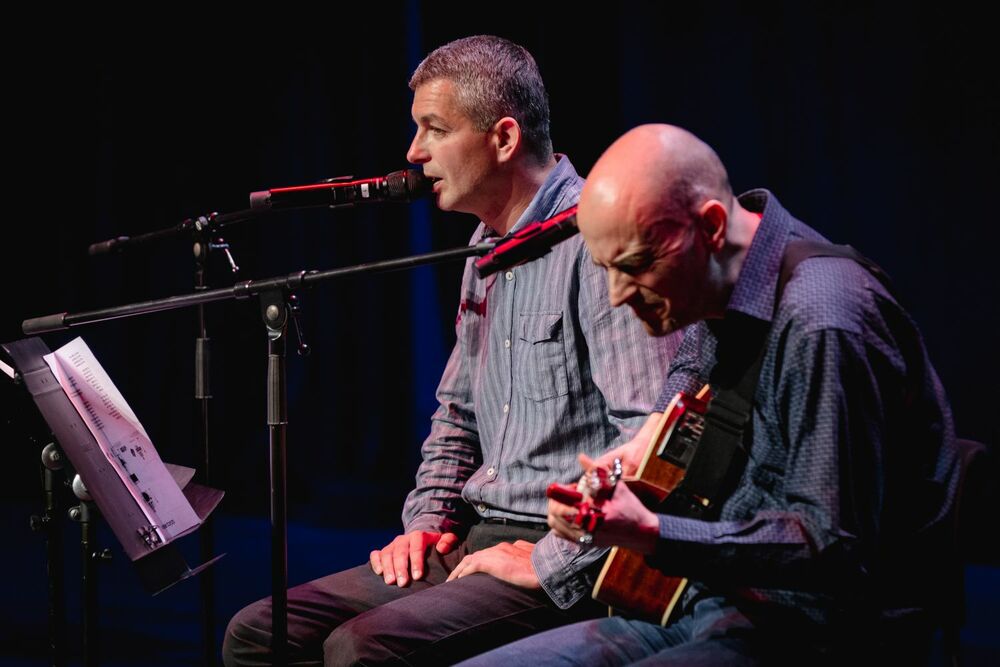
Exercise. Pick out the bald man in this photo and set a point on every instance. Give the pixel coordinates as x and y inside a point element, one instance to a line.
<point>822,549</point>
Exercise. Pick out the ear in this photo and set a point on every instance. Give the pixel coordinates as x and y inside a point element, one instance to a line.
<point>714,221</point>
<point>506,139</point>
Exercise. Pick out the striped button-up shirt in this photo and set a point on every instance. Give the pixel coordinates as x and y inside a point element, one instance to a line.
<point>543,368</point>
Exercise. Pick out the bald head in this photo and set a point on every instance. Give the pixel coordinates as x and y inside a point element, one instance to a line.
<point>653,210</point>
<point>655,173</point>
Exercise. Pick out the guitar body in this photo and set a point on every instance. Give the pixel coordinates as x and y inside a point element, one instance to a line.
<point>626,582</point>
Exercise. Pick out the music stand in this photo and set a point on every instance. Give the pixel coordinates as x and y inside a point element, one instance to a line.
<point>153,551</point>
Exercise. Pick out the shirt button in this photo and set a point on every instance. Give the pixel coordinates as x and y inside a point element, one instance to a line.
<point>506,408</point>
<point>509,275</point>
<point>506,343</point>
<point>481,507</point>
<point>491,471</point>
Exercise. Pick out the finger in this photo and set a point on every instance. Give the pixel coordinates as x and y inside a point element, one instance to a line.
<point>375,560</point>
<point>416,553</point>
<point>401,562</point>
<point>471,565</point>
<point>447,543</point>
<point>385,557</point>
<point>457,572</point>
<point>586,462</point>
<point>622,493</point>
<point>607,458</point>
<point>567,533</point>
<point>572,518</point>
<point>560,510</point>
<point>556,512</point>
<point>562,527</point>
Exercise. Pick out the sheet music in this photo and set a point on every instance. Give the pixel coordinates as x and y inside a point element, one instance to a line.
<point>122,439</point>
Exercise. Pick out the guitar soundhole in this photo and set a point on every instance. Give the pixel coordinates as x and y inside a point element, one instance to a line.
<point>684,439</point>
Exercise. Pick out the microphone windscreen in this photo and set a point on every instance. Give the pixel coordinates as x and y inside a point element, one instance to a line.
<point>412,181</point>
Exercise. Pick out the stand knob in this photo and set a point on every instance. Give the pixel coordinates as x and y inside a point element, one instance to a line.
<point>79,489</point>
<point>52,457</point>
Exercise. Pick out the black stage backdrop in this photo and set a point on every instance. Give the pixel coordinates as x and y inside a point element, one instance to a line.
<point>877,125</point>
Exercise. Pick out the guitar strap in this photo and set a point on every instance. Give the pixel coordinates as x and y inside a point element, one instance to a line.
<point>721,455</point>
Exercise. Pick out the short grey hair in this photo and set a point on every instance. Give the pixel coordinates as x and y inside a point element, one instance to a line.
<point>494,78</point>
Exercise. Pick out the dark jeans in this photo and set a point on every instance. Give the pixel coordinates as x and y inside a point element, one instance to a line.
<point>354,617</point>
<point>710,639</point>
<point>712,634</point>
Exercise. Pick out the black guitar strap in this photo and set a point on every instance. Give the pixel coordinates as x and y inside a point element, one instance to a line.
<point>721,455</point>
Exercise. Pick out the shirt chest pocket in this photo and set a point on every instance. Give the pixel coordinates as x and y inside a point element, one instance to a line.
<point>540,356</point>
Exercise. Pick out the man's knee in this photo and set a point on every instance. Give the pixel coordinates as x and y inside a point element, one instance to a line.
<point>362,640</point>
<point>248,635</point>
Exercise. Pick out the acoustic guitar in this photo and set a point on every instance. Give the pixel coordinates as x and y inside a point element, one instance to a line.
<point>626,582</point>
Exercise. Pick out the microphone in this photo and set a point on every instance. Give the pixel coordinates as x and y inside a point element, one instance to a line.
<point>535,240</point>
<point>401,186</point>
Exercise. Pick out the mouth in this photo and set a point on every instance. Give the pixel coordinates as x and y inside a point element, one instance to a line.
<point>654,316</point>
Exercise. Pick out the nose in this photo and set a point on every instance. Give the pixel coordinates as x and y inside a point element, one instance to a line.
<point>621,287</point>
<point>417,154</point>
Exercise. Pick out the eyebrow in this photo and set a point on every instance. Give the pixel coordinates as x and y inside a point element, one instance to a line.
<point>432,118</point>
<point>632,257</point>
<point>628,258</point>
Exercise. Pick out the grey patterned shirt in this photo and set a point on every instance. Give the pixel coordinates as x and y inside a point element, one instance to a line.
<point>543,368</point>
<point>852,465</point>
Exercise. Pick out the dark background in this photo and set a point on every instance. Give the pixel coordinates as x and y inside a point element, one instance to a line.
<point>876,125</point>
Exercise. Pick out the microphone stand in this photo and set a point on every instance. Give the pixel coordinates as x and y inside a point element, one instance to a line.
<point>202,230</point>
<point>276,304</point>
<point>206,224</point>
<point>202,394</point>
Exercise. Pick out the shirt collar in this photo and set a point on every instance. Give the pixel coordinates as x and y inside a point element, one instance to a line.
<point>757,283</point>
<point>551,197</point>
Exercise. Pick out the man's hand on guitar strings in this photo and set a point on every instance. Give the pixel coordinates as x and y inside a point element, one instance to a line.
<point>626,522</point>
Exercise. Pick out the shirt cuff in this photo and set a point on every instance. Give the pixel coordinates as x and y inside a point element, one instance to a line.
<point>431,523</point>
<point>562,569</point>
